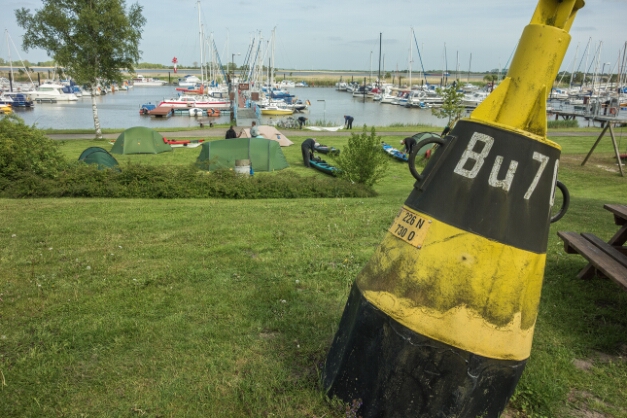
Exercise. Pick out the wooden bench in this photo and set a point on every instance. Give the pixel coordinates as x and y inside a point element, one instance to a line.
<point>609,260</point>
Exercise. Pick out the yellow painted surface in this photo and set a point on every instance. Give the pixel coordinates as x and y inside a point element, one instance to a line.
<point>519,101</point>
<point>410,228</point>
<point>459,288</point>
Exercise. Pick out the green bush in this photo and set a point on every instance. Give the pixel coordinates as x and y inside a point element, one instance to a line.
<point>362,161</point>
<point>169,182</point>
<point>25,150</point>
<point>31,165</point>
<point>557,124</point>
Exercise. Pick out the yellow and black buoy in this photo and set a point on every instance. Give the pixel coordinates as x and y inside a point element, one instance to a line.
<point>440,321</point>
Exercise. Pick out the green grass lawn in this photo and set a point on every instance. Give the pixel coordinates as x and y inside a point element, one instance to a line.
<point>226,308</point>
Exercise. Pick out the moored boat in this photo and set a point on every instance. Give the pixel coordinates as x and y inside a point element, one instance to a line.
<point>276,110</point>
<point>201,102</point>
<point>52,92</point>
<point>189,81</point>
<point>142,81</point>
<point>16,100</point>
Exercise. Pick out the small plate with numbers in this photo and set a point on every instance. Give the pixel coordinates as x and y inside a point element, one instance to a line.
<point>410,227</point>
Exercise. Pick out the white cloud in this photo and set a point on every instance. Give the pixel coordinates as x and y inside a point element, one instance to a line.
<point>340,35</point>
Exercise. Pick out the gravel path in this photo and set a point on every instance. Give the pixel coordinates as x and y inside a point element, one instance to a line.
<point>218,132</point>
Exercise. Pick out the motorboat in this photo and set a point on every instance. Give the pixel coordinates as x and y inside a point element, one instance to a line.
<point>52,91</point>
<point>299,105</point>
<point>276,110</point>
<point>363,91</point>
<point>388,94</point>
<point>140,80</point>
<point>189,81</point>
<point>16,100</point>
<point>401,99</point>
<point>201,102</point>
<point>286,84</point>
<point>558,94</point>
<point>432,98</point>
<point>473,100</point>
<point>416,99</point>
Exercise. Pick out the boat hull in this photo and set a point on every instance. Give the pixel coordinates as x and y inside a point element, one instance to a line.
<point>198,104</point>
<point>276,112</point>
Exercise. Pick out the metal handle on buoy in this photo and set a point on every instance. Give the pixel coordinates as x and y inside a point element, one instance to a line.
<point>412,157</point>
<point>565,202</point>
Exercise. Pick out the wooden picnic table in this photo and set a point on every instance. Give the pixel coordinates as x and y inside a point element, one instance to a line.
<point>607,258</point>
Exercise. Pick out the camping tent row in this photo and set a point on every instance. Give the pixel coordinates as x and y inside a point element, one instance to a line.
<point>264,154</point>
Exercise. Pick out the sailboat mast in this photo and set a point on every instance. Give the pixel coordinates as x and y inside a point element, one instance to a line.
<point>201,45</point>
<point>457,67</point>
<point>623,71</point>
<point>380,42</point>
<point>272,59</point>
<point>585,73</point>
<point>10,60</point>
<point>445,66</point>
<point>572,70</point>
<point>410,58</point>
<point>469,63</point>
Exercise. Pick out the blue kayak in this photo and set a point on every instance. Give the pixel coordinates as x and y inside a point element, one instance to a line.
<point>324,167</point>
<point>323,149</point>
<point>395,153</point>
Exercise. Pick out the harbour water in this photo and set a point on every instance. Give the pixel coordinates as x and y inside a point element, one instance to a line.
<point>121,110</point>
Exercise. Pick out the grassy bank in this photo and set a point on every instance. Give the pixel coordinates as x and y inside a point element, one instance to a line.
<point>223,308</point>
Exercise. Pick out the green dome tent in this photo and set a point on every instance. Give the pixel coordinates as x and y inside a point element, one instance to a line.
<point>264,154</point>
<point>425,135</point>
<point>140,140</point>
<point>100,156</point>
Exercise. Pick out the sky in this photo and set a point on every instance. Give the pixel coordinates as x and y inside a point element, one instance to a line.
<point>344,34</point>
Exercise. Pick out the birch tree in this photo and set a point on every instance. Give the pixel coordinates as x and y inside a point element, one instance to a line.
<point>93,40</point>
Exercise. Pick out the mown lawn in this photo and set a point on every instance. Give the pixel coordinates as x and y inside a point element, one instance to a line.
<point>222,308</point>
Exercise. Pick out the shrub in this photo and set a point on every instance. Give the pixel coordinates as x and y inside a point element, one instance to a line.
<point>452,107</point>
<point>362,160</point>
<point>32,166</point>
<point>25,150</point>
<point>556,124</point>
<point>168,182</point>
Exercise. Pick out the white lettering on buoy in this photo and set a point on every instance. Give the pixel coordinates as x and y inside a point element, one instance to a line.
<point>506,183</point>
<point>477,157</point>
<point>544,160</point>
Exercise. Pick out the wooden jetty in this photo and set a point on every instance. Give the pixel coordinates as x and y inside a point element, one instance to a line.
<point>161,112</point>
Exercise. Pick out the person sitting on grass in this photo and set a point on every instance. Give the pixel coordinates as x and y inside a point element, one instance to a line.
<point>254,131</point>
